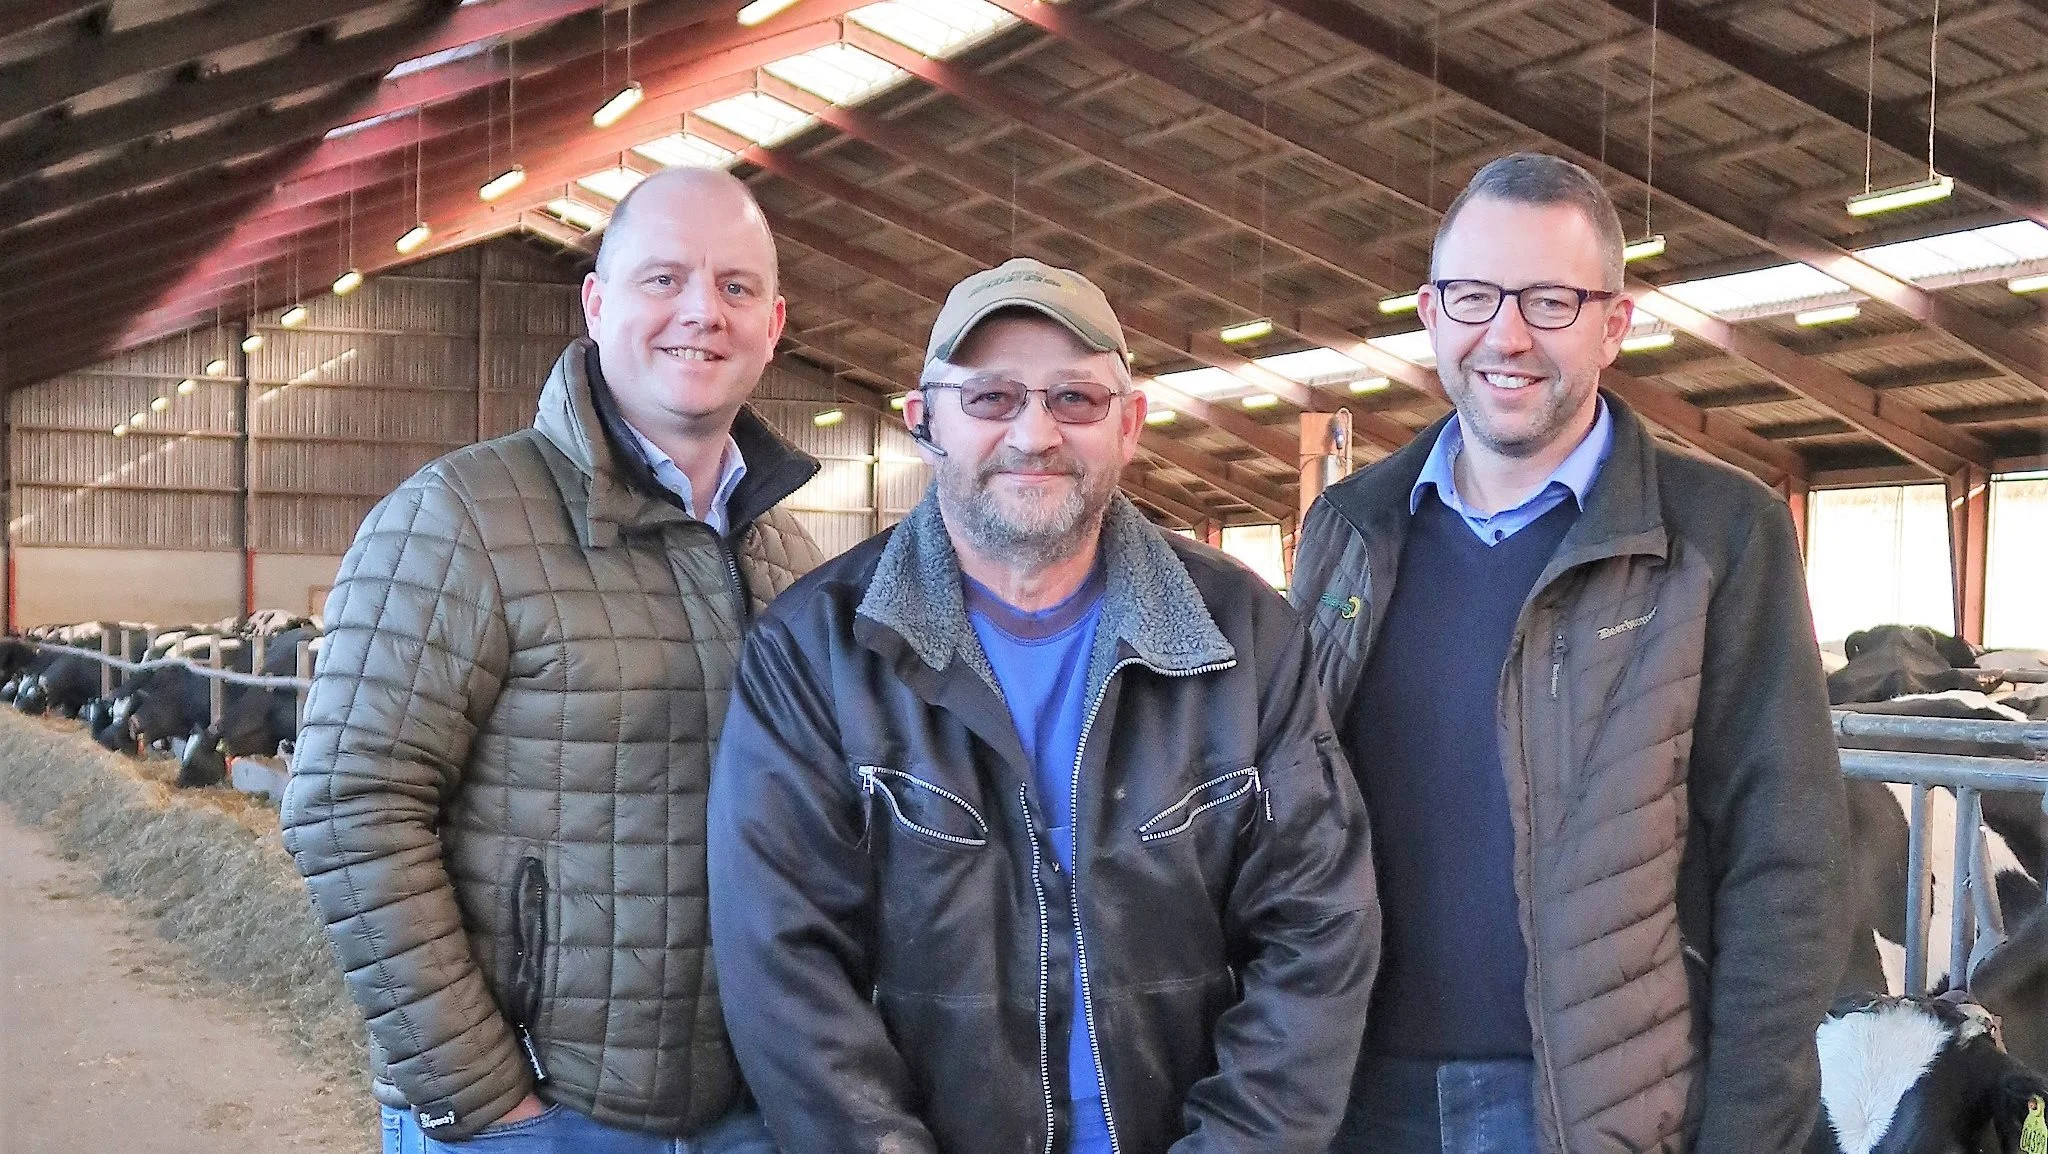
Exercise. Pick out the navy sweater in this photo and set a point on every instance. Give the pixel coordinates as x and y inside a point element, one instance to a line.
<point>1422,738</point>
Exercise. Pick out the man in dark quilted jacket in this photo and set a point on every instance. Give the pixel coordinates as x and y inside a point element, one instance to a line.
<point>498,797</point>
<point>1575,673</point>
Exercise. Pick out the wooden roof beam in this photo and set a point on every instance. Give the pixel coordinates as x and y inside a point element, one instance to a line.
<point>315,64</point>
<point>996,99</point>
<point>1980,171</point>
<point>2020,353</point>
<point>45,81</point>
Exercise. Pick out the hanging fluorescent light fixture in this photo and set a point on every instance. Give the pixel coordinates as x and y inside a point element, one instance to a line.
<point>1248,331</point>
<point>897,402</point>
<point>1935,187</point>
<point>1161,417</point>
<point>415,236</point>
<point>829,418</point>
<point>293,317</point>
<point>1648,342</point>
<point>252,342</point>
<point>1260,401</point>
<point>1643,249</point>
<point>347,283</point>
<point>1404,303</point>
<point>135,422</point>
<point>760,11</point>
<point>2028,284</point>
<point>160,404</point>
<point>187,386</point>
<point>614,110</point>
<point>217,367</point>
<point>120,430</point>
<point>1370,384</point>
<point>1833,314</point>
<point>503,183</point>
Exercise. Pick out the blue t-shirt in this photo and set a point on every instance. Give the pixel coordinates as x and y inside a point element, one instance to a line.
<point>1041,662</point>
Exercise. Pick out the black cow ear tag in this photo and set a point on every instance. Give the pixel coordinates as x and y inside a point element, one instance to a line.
<point>436,1115</point>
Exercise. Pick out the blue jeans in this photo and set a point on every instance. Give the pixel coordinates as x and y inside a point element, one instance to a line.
<point>1411,1107</point>
<point>561,1130</point>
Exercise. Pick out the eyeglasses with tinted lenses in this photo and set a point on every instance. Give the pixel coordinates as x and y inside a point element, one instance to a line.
<point>1543,306</point>
<point>993,397</point>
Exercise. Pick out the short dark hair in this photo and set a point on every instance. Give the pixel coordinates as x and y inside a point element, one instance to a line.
<point>1539,179</point>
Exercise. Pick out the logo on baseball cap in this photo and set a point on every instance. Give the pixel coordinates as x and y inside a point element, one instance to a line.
<point>1060,293</point>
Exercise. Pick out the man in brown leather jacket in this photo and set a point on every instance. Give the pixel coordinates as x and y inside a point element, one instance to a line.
<point>1575,673</point>
<point>498,797</point>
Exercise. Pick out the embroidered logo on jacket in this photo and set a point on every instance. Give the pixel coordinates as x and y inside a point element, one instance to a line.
<point>1346,607</point>
<point>1624,627</point>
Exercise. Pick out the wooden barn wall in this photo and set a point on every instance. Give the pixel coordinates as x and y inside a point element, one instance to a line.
<point>341,409</point>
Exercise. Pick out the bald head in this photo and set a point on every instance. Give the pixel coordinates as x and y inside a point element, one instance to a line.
<point>681,194</point>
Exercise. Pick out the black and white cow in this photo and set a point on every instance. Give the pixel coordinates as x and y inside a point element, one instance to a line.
<point>1917,1075</point>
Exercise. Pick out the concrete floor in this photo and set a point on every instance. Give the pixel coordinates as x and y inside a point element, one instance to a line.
<point>105,1046</point>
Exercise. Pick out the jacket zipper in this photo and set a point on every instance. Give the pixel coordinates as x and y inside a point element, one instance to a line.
<point>732,572</point>
<point>1074,882</point>
<point>1044,968</point>
<point>1542,1047</point>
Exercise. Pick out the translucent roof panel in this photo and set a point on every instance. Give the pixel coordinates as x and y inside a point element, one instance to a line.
<point>611,183</point>
<point>576,212</point>
<point>839,73</point>
<point>366,122</point>
<point>1761,292</point>
<point>1202,383</point>
<point>680,149</point>
<point>1314,366</point>
<point>1411,347</point>
<point>758,117</point>
<point>1991,251</point>
<point>934,27</point>
<point>446,55</point>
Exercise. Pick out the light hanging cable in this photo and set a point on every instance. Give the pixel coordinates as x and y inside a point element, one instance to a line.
<point>627,98</point>
<point>514,176</point>
<point>351,279</point>
<point>1936,186</point>
<point>1652,242</point>
<point>417,235</point>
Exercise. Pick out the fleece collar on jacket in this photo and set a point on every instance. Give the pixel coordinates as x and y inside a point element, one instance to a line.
<point>578,415</point>
<point>1151,604</point>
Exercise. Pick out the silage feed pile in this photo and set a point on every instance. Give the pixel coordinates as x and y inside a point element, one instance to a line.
<point>207,866</point>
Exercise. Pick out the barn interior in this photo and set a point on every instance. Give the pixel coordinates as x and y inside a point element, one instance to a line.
<point>266,260</point>
<point>1838,224</point>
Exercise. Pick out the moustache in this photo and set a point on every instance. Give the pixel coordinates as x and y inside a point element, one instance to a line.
<point>1010,461</point>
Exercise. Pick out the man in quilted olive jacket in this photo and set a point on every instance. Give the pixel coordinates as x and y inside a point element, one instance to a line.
<point>499,793</point>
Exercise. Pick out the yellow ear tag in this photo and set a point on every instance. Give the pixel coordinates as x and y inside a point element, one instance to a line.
<point>2034,1135</point>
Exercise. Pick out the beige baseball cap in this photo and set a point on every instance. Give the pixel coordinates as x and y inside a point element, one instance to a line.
<point>1060,293</point>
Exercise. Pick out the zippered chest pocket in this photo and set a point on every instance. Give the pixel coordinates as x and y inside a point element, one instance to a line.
<point>930,811</point>
<point>1239,791</point>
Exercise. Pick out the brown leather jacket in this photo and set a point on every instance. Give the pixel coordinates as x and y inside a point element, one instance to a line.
<point>1680,827</point>
<point>499,791</point>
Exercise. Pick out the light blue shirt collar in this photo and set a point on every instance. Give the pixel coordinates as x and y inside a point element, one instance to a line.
<point>1573,477</point>
<point>670,476</point>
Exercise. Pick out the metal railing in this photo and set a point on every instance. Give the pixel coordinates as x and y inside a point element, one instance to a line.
<point>217,676</point>
<point>1968,758</point>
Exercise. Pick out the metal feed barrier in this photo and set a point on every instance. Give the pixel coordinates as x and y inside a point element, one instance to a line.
<point>1967,758</point>
<point>218,677</point>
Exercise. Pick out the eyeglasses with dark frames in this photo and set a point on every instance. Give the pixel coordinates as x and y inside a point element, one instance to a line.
<point>1543,306</point>
<point>994,397</point>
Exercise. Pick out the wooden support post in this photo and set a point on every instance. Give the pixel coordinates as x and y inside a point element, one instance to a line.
<point>483,358</point>
<point>1969,543</point>
<point>106,670</point>
<point>245,505</point>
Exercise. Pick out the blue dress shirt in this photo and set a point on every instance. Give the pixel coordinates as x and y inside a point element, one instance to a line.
<point>1573,477</point>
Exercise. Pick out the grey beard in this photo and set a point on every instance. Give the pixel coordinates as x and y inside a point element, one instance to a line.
<point>1054,535</point>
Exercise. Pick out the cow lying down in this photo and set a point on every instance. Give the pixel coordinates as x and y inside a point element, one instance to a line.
<point>1916,1075</point>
